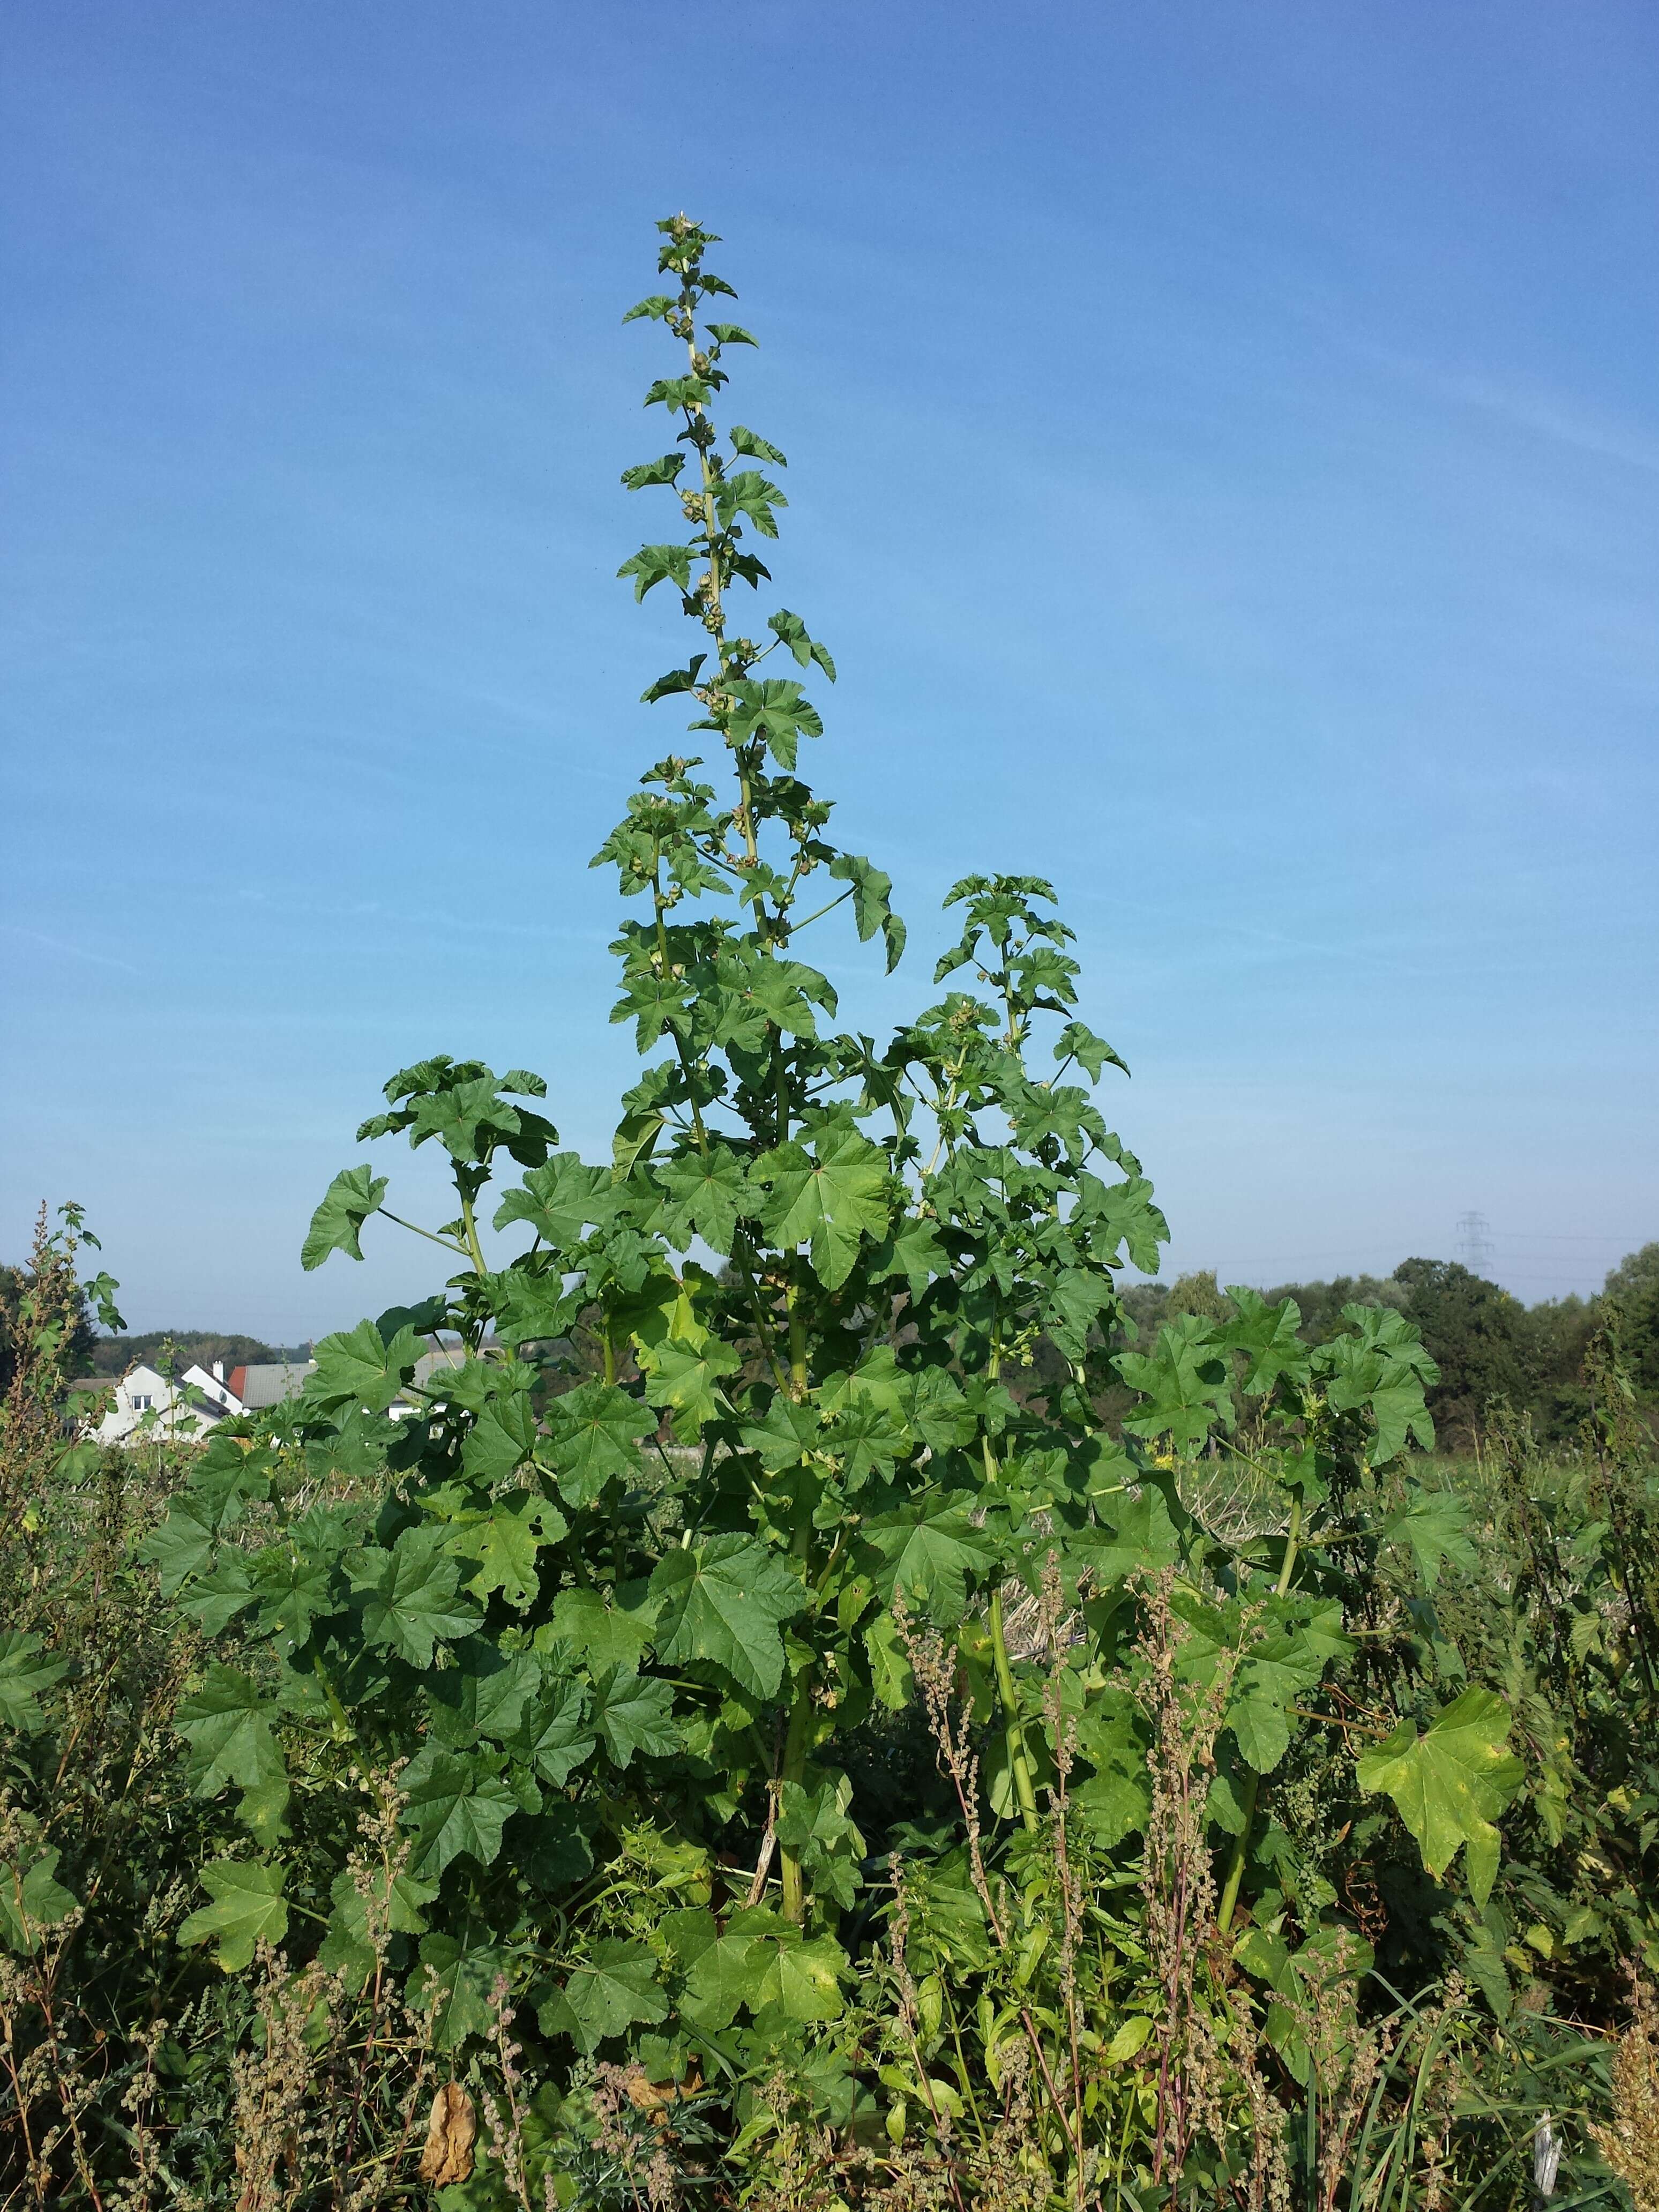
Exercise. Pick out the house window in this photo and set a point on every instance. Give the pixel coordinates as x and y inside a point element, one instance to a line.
<point>141,1405</point>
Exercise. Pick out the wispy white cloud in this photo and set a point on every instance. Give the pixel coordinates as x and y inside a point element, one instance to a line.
<point>75,951</point>
<point>1540,414</point>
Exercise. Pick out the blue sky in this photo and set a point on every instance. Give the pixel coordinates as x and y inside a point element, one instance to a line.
<point>1225,465</point>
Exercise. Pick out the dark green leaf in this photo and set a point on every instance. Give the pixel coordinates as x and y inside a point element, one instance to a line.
<point>32,1900</point>
<point>832,1195</point>
<point>593,1435</point>
<point>457,1801</point>
<point>357,1367</point>
<point>633,1712</point>
<point>611,1990</point>
<point>724,1599</point>
<point>409,1594</point>
<point>654,472</point>
<point>23,1675</point>
<point>227,1725</point>
<point>747,442</point>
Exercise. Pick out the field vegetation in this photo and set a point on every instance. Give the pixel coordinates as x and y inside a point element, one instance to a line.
<point>832,1702</point>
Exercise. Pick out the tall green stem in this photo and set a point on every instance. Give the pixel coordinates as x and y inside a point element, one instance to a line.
<point>800,1718</point>
<point>794,1768</point>
<point>1019,1763</point>
<point>1223,1919</point>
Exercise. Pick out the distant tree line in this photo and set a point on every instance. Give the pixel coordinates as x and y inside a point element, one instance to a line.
<point>113,1355</point>
<point>1488,1345</point>
<point>107,1357</point>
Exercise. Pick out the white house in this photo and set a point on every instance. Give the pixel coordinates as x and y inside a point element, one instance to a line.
<point>146,1404</point>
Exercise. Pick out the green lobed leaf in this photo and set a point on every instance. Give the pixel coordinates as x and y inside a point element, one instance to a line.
<point>248,1908</point>
<point>605,1629</point>
<point>634,1713</point>
<point>23,1675</point>
<point>613,1988</point>
<point>725,1600</point>
<point>358,1367</point>
<point>457,1802</point>
<point>684,1380</point>
<point>1186,1381</point>
<point>227,1725</point>
<point>32,1900</point>
<point>505,1542</point>
<point>1450,1782</point>
<point>555,1737</point>
<point>1435,1523</point>
<point>829,1197</point>
<point>410,1593</point>
<point>560,1200</point>
<point>456,1984</point>
<point>928,1551</point>
<point>594,1434</point>
<point>354,1194</point>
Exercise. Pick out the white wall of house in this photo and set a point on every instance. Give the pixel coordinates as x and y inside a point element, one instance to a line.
<point>147,1405</point>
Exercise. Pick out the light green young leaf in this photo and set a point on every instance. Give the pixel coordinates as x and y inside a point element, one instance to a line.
<point>805,1978</point>
<point>32,1900</point>
<point>247,1908</point>
<point>1450,1782</point>
<point>1127,2037</point>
